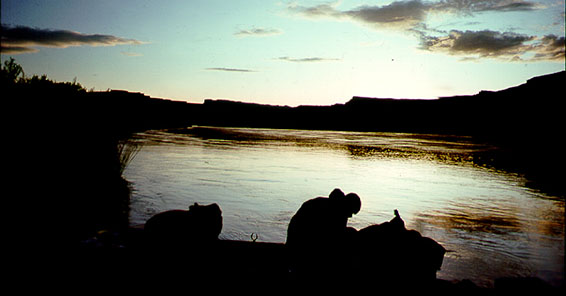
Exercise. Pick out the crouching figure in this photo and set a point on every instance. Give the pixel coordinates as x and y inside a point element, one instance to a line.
<point>319,242</point>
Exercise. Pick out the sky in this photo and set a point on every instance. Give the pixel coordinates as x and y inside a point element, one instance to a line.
<point>287,52</point>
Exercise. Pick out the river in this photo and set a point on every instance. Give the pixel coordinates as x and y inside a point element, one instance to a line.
<point>490,222</point>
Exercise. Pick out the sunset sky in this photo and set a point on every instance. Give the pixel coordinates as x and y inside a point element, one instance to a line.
<point>287,52</point>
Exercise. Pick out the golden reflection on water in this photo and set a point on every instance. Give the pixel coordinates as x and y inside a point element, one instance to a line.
<point>497,242</point>
<point>491,224</point>
<point>469,221</point>
<point>408,153</point>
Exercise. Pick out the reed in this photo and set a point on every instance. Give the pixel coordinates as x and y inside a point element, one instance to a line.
<point>127,151</point>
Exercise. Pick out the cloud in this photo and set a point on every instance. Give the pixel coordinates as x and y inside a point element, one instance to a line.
<point>229,70</point>
<point>474,6</point>
<point>400,13</point>
<point>258,32</point>
<point>407,14</point>
<point>306,60</point>
<point>484,43</point>
<point>325,10</point>
<point>10,49</point>
<point>21,39</point>
<point>550,47</point>
<point>493,44</point>
<point>131,54</point>
<point>411,16</point>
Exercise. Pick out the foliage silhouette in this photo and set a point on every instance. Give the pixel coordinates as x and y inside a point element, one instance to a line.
<point>11,70</point>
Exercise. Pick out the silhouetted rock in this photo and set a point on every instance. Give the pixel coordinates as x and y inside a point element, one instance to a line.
<point>391,254</point>
<point>181,229</point>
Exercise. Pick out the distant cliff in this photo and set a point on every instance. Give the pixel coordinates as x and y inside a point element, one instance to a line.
<point>531,107</point>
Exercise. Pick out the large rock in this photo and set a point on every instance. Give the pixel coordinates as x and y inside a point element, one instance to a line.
<point>198,226</point>
<point>391,253</point>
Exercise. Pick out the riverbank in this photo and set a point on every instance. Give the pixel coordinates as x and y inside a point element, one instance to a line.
<point>74,187</point>
<point>252,265</point>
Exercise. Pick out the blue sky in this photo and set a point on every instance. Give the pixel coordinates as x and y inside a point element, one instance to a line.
<point>287,52</point>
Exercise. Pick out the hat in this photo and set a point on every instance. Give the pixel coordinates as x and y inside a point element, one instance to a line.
<point>336,193</point>
<point>354,202</point>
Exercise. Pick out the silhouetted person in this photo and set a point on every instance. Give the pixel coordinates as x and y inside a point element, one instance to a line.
<point>318,239</point>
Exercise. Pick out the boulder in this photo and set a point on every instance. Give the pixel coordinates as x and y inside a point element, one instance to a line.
<point>390,252</point>
<point>200,225</point>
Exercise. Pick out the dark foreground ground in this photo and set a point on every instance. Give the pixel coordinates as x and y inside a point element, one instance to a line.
<point>65,164</point>
<point>124,263</point>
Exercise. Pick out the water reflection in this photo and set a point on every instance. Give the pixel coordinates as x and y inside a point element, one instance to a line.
<point>461,157</point>
<point>452,149</point>
<point>446,148</point>
<point>524,239</point>
<point>468,220</point>
<point>444,186</point>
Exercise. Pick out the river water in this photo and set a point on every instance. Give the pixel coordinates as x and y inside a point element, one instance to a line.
<point>490,222</point>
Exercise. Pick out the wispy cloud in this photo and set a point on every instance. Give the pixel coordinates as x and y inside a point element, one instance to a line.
<point>493,44</point>
<point>401,14</point>
<point>407,14</point>
<point>21,39</point>
<point>475,6</point>
<point>230,70</point>
<point>307,60</point>
<point>411,16</point>
<point>484,43</point>
<point>258,32</point>
<point>321,10</point>
<point>131,54</point>
<point>11,49</point>
<point>551,47</point>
